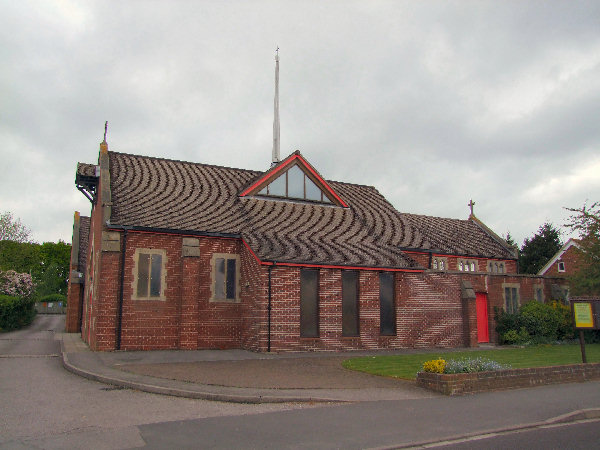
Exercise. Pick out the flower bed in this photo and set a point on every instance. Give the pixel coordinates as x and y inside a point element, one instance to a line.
<point>467,383</point>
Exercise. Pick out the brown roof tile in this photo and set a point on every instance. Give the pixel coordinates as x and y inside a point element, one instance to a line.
<point>161,193</point>
<point>454,237</point>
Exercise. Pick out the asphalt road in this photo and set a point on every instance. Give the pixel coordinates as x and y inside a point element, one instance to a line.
<point>584,435</point>
<point>44,406</point>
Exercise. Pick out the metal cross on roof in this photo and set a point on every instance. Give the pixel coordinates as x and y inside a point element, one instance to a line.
<point>470,205</point>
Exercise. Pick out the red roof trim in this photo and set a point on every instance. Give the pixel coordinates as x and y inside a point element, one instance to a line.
<point>287,163</point>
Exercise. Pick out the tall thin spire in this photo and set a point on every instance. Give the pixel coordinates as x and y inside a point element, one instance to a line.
<point>276,156</point>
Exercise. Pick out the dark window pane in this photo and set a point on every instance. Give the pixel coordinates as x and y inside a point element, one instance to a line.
<point>155,277</point>
<point>349,303</point>
<point>220,278</point>
<point>309,303</point>
<point>277,186</point>
<point>295,182</point>
<point>231,279</point>
<point>313,192</point>
<point>143,274</point>
<point>387,310</point>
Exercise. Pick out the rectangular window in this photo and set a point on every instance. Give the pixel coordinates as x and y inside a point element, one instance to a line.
<point>309,303</point>
<point>511,298</point>
<point>350,318</point>
<point>539,294</point>
<point>225,278</point>
<point>387,309</point>
<point>149,275</point>
<point>561,266</point>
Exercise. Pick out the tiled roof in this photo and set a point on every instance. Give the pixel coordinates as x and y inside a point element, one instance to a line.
<point>84,233</point>
<point>453,237</point>
<point>87,170</point>
<point>161,193</point>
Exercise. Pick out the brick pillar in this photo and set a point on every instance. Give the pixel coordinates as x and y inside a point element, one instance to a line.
<point>74,293</point>
<point>188,330</point>
<point>469,312</point>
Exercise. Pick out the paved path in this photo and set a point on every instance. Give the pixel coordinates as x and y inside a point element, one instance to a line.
<point>236,375</point>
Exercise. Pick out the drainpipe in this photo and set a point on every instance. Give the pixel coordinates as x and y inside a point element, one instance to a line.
<point>430,257</point>
<point>269,314</point>
<point>122,282</point>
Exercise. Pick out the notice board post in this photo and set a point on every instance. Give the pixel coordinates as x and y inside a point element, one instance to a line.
<point>586,316</point>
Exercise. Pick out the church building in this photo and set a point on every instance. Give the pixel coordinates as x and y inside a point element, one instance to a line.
<point>185,255</point>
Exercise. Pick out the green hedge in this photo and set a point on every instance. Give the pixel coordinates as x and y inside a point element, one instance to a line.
<point>535,323</point>
<point>15,312</point>
<point>54,298</point>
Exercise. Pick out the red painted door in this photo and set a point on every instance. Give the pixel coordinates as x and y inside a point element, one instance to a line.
<point>483,331</point>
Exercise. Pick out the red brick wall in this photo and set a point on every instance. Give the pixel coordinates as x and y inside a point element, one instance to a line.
<point>573,260</point>
<point>428,312</point>
<point>423,260</point>
<point>74,294</point>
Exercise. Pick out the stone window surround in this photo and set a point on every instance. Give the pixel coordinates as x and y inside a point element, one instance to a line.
<point>213,266</point>
<point>561,266</point>
<point>163,274</point>
<point>511,285</point>
<point>468,262</point>
<point>437,261</point>
<point>501,266</point>
<point>536,288</point>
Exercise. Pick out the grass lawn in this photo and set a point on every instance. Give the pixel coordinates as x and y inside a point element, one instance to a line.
<point>407,366</point>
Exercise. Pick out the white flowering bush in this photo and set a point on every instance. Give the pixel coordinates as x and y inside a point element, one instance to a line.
<point>468,365</point>
<point>17,305</point>
<point>16,284</point>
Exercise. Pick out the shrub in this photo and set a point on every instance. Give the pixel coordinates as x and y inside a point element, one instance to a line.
<point>506,322</point>
<point>540,319</point>
<point>565,320</point>
<point>16,284</point>
<point>514,337</point>
<point>54,298</point>
<point>434,366</point>
<point>15,312</point>
<point>468,365</point>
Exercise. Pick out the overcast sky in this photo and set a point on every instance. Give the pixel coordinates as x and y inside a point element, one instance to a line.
<point>431,102</point>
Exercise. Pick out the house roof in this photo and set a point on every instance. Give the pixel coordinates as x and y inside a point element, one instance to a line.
<point>558,255</point>
<point>86,170</point>
<point>190,197</point>
<point>454,237</point>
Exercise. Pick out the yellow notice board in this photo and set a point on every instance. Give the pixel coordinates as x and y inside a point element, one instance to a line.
<point>582,312</point>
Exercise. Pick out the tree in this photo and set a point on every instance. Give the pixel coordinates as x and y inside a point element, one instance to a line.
<point>586,222</point>
<point>53,272</point>
<point>509,240</point>
<point>47,263</point>
<point>538,250</point>
<point>12,229</point>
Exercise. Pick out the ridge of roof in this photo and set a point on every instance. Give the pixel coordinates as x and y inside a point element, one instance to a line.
<point>157,158</point>
<point>502,242</point>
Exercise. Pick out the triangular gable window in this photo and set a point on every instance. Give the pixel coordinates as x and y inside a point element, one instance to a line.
<point>296,184</point>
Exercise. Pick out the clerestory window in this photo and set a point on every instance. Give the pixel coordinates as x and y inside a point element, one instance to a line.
<point>294,183</point>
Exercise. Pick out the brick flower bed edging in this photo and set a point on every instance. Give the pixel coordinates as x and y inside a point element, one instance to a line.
<point>467,383</point>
